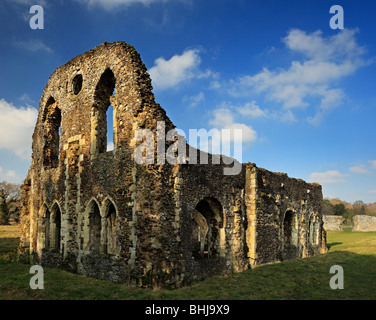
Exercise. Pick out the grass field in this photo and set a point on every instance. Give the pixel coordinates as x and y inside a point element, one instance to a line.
<point>299,279</point>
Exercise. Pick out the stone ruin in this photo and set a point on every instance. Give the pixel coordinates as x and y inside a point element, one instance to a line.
<point>102,214</point>
<point>364,223</point>
<point>333,223</point>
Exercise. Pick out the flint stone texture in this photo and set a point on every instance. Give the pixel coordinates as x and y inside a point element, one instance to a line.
<point>364,223</point>
<point>332,223</point>
<point>106,215</point>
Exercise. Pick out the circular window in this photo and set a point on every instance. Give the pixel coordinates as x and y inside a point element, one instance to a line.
<point>77,84</point>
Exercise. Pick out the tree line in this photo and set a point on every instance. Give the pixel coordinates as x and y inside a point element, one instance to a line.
<point>347,210</point>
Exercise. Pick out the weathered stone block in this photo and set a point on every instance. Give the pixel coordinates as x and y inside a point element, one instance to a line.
<point>332,223</point>
<point>364,223</point>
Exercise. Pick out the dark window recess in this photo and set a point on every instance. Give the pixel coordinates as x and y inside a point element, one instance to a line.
<point>77,84</point>
<point>52,124</point>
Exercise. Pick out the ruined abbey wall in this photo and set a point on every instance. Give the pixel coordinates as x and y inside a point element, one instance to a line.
<point>363,223</point>
<point>333,223</point>
<point>106,215</point>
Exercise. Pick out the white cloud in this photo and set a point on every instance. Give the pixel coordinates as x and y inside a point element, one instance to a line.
<point>170,73</point>
<point>252,109</point>
<point>195,100</point>
<point>230,135</point>
<point>16,128</point>
<point>9,176</point>
<point>324,61</point>
<point>228,117</point>
<point>359,169</point>
<point>224,119</point>
<point>372,191</point>
<point>33,46</point>
<point>373,164</point>
<point>328,177</point>
<point>113,4</point>
<point>285,116</point>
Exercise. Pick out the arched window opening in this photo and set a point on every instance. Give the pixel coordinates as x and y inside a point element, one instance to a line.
<point>56,228</point>
<point>206,232</point>
<point>77,84</point>
<point>101,119</point>
<point>199,234</point>
<point>110,128</point>
<point>289,229</point>
<point>52,124</point>
<point>111,222</point>
<point>47,229</point>
<point>312,230</point>
<point>94,228</point>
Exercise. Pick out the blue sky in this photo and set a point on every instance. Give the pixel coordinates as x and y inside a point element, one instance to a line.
<point>303,94</point>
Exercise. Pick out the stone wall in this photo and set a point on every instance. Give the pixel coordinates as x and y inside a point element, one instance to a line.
<point>286,214</point>
<point>151,223</point>
<point>332,223</point>
<point>364,223</point>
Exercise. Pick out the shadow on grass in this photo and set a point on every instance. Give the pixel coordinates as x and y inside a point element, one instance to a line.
<point>300,279</point>
<point>8,247</point>
<point>329,245</point>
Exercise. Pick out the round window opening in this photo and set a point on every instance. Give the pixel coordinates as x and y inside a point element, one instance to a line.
<point>77,84</point>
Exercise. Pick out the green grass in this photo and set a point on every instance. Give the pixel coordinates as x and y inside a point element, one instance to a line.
<point>299,279</point>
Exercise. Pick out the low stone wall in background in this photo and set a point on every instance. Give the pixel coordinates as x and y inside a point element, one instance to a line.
<point>332,223</point>
<point>364,223</point>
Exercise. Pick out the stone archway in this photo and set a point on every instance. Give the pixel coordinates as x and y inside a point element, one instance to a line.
<point>207,232</point>
<point>94,227</point>
<point>111,224</point>
<point>290,235</point>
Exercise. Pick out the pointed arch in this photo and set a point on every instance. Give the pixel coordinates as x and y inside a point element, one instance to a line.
<point>46,223</point>
<point>112,225</point>
<point>207,232</point>
<point>55,232</point>
<point>99,127</point>
<point>52,123</point>
<point>93,227</point>
<point>290,230</point>
<point>313,227</point>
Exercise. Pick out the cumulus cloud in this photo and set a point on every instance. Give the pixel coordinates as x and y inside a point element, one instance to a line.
<point>364,168</point>
<point>16,128</point>
<point>359,169</point>
<point>328,177</point>
<point>228,116</point>
<point>373,164</point>
<point>166,74</point>
<point>252,110</point>
<point>227,136</point>
<point>324,60</point>
<point>223,118</point>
